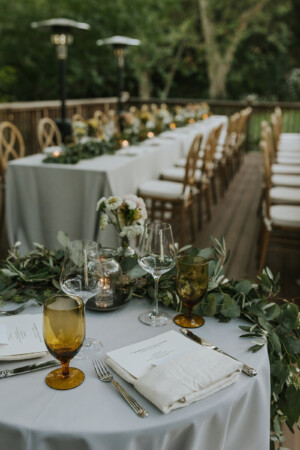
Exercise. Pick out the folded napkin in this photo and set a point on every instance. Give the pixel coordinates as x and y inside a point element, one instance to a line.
<point>185,379</point>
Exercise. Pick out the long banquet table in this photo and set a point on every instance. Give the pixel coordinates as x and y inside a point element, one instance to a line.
<point>94,416</point>
<point>44,198</point>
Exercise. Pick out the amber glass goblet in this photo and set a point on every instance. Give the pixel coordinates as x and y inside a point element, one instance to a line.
<point>64,331</point>
<point>191,284</point>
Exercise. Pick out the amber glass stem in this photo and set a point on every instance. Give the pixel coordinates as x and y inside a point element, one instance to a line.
<point>65,369</point>
<point>189,311</point>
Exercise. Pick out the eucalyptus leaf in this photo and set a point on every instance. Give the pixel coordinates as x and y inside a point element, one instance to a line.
<point>230,308</point>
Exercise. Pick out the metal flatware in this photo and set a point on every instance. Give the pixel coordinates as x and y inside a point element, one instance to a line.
<point>30,368</point>
<point>12,311</point>
<point>246,369</point>
<point>104,375</point>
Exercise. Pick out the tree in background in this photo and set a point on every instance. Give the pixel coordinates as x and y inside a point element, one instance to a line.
<point>190,48</point>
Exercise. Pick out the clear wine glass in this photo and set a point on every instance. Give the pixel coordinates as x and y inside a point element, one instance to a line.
<point>64,331</point>
<point>156,256</point>
<point>81,276</point>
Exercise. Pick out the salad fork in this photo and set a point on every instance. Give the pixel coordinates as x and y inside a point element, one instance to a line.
<point>105,375</point>
<point>12,311</point>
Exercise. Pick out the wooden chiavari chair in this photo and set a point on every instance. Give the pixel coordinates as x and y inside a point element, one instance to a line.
<point>280,222</point>
<point>48,133</point>
<point>11,147</point>
<point>170,200</point>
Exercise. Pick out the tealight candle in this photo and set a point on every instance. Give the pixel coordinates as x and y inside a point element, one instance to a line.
<point>172,125</point>
<point>150,134</point>
<point>124,143</point>
<point>191,120</point>
<point>56,153</point>
<point>204,116</point>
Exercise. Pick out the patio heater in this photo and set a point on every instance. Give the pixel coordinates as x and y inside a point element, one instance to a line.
<point>119,44</point>
<point>61,37</point>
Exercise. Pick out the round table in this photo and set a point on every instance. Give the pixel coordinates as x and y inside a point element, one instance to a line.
<point>94,416</point>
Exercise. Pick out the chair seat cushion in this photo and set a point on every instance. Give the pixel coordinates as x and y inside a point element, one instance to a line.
<point>288,159</point>
<point>286,180</point>
<point>163,189</point>
<point>285,216</point>
<point>178,174</point>
<point>182,163</point>
<point>285,195</point>
<point>285,169</point>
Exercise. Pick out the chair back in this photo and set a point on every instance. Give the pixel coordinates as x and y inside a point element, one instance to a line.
<point>11,145</point>
<point>210,150</point>
<point>267,175</point>
<point>191,162</point>
<point>77,118</point>
<point>276,126</point>
<point>48,133</point>
<point>101,116</point>
<point>268,137</point>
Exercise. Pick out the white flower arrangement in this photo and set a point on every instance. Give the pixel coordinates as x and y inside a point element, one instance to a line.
<point>127,214</point>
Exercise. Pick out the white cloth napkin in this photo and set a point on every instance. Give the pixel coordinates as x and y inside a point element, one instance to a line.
<point>185,379</point>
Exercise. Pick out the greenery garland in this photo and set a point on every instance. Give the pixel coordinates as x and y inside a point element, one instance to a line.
<point>73,153</point>
<point>36,275</point>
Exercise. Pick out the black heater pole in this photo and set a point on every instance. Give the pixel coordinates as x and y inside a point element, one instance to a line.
<point>119,51</point>
<point>62,79</point>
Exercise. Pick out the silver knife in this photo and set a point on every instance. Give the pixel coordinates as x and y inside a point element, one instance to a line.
<point>29,368</point>
<point>246,369</point>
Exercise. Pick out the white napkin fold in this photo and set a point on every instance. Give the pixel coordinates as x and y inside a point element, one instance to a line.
<point>185,379</point>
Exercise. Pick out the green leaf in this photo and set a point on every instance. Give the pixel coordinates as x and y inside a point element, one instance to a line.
<point>63,239</point>
<point>230,308</point>
<point>9,273</point>
<point>208,306</point>
<point>272,312</point>
<point>205,253</point>
<point>255,348</point>
<point>279,371</point>
<point>288,317</point>
<point>292,345</point>
<point>264,324</point>
<point>275,342</point>
<point>244,286</point>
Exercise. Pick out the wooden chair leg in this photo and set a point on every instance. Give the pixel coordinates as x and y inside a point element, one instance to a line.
<point>199,208</point>
<point>214,189</point>
<point>207,202</point>
<point>182,228</point>
<point>264,248</point>
<point>2,216</point>
<point>192,221</point>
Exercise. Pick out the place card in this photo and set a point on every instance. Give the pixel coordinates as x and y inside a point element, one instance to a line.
<point>138,358</point>
<point>24,335</point>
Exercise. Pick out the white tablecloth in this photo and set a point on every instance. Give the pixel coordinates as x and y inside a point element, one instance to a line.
<point>94,416</point>
<point>42,199</point>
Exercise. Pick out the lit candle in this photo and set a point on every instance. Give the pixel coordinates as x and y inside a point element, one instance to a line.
<point>124,143</point>
<point>204,116</point>
<point>56,153</point>
<point>150,134</point>
<point>191,120</point>
<point>172,125</point>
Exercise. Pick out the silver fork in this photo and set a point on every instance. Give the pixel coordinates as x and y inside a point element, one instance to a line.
<point>105,375</point>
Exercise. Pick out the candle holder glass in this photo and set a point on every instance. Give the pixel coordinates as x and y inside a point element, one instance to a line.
<point>111,277</point>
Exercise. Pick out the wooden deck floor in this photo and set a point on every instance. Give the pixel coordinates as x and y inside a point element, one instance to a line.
<point>235,217</point>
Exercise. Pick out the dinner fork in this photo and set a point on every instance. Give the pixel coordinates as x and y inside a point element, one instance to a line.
<point>105,375</point>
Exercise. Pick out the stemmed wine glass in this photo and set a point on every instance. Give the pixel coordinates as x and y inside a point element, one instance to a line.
<point>81,276</point>
<point>64,331</point>
<point>191,284</point>
<point>156,256</point>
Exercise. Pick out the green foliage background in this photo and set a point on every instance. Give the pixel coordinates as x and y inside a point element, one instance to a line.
<point>263,64</point>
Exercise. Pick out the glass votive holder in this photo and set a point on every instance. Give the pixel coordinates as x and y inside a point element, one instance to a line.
<point>112,273</point>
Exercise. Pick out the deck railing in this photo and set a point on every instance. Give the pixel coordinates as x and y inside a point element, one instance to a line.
<point>26,115</point>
